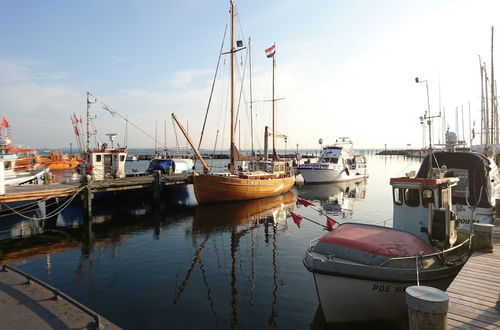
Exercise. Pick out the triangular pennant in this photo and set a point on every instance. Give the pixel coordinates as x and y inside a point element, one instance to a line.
<point>296,218</point>
<point>330,223</point>
<point>305,202</point>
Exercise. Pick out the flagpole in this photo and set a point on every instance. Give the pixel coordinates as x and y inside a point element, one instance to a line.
<point>274,127</point>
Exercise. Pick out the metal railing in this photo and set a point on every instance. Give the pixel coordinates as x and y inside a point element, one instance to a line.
<point>58,294</point>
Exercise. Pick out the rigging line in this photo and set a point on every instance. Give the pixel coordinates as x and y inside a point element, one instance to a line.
<point>213,86</point>
<point>176,137</point>
<point>48,215</point>
<point>115,113</point>
<point>241,87</point>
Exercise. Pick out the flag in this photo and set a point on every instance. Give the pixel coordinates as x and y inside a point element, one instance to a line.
<point>4,123</point>
<point>77,132</point>
<point>74,120</point>
<point>330,223</point>
<point>270,51</point>
<point>305,202</point>
<point>296,218</point>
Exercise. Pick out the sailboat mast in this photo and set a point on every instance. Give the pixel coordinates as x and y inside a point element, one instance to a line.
<point>492,93</point>
<point>274,124</point>
<point>88,122</point>
<point>251,99</point>
<point>232,165</point>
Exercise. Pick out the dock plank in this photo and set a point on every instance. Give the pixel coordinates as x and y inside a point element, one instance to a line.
<point>475,291</point>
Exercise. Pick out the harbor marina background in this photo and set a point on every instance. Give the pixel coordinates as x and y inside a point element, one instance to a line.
<point>234,264</point>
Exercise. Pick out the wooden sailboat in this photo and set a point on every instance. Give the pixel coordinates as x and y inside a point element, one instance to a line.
<point>263,179</point>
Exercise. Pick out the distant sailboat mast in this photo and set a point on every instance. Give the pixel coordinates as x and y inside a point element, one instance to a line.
<point>251,98</point>
<point>275,155</point>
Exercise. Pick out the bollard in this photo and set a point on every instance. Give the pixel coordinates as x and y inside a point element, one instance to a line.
<point>483,237</point>
<point>427,308</point>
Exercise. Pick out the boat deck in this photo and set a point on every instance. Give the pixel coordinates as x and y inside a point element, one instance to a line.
<point>474,293</point>
<point>32,306</point>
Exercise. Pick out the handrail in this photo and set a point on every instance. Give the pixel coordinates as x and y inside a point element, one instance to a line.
<point>57,294</point>
<point>429,255</point>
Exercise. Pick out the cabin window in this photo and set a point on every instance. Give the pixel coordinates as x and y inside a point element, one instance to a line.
<point>412,197</point>
<point>397,194</point>
<point>427,197</point>
<point>98,158</point>
<point>7,165</point>
<point>122,158</point>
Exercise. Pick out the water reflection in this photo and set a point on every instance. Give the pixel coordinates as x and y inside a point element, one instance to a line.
<point>336,199</point>
<point>241,219</point>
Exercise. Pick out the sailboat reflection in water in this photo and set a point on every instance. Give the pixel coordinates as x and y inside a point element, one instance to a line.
<point>238,224</point>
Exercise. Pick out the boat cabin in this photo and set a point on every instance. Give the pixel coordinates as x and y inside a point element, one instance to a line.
<point>275,168</point>
<point>7,165</point>
<point>423,207</point>
<point>106,163</point>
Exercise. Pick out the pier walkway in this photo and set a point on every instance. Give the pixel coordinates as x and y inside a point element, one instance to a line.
<point>32,306</point>
<point>34,191</point>
<point>475,291</point>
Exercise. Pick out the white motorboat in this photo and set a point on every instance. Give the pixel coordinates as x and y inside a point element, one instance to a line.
<point>336,163</point>
<point>361,271</point>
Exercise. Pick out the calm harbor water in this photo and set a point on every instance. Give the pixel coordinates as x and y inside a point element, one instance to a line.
<point>234,265</point>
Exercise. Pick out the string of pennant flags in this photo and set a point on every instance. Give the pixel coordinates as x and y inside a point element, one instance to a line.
<point>330,223</point>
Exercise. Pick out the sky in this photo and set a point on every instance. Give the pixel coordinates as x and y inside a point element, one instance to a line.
<point>343,69</point>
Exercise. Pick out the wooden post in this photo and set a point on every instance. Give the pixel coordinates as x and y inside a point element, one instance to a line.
<point>483,237</point>
<point>427,308</point>
<point>50,206</point>
<point>156,188</point>
<point>87,199</point>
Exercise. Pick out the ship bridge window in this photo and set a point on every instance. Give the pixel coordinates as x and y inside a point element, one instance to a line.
<point>412,197</point>
<point>332,160</point>
<point>7,165</point>
<point>98,158</point>
<point>122,158</point>
<point>397,195</point>
<point>427,197</point>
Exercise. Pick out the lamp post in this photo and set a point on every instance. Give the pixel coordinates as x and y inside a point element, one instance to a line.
<point>427,115</point>
<point>427,118</point>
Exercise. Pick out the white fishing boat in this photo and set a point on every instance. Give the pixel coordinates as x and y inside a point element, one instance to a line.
<point>336,163</point>
<point>10,177</point>
<point>361,271</point>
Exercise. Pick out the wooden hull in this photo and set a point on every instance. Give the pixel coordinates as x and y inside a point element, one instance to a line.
<point>213,188</point>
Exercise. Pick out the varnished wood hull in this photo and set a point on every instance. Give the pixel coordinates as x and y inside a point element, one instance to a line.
<point>212,188</point>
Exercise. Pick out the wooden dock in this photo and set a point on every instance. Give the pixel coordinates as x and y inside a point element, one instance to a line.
<point>35,192</point>
<point>474,293</point>
<point>33,304</point>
